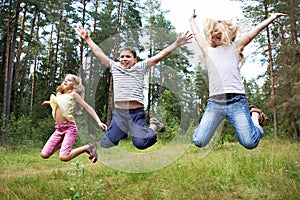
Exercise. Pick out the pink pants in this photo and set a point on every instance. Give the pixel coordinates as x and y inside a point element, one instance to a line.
<point>65,135</point>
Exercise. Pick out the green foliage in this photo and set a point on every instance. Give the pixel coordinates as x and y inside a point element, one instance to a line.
<point>44,129</point>
<point>19,132</point>
<point>23,134</point>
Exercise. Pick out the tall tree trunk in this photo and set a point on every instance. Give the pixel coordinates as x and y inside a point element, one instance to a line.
<point>84,2</point>
<point>34,71</point>
<point>12,58</point>
<point>49,46</point>
<point>26,73</point>
<point>6,71</point>
<point>149,106</point>
<point>18,59</point>
<point>91,73</point>
<point>271,76</point>
<point>115,54</point>
<point>294,23</point>
<point>58,41</point>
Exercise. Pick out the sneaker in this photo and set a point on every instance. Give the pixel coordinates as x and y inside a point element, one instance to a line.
<point>92,150</point>
<point>159,126</point>
<point>262,119</point>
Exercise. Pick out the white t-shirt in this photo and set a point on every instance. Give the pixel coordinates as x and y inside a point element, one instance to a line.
<point>223,69</point>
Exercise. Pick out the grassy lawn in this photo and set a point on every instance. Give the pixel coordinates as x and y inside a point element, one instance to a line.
<point>271,171</point>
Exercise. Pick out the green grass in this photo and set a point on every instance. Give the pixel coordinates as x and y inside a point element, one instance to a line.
<point>271,171</point>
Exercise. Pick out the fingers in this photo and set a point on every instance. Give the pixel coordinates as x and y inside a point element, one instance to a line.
<point>103,126</point>
<point>278,14</point>
<point>82,32</point>
<point>81,29</point>
<point>283,14</point>
<point>189,35</point>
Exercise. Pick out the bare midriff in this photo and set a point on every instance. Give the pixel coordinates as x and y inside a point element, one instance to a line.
<point>59,118</point>
<point>128,104</point>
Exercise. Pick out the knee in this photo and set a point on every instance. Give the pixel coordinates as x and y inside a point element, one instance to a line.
<point>199,143</point>
<point>106,143</point>
<point>45,155</point>
<point>249,145</point>
<point>64,158</point>
<point>143,143</point>
<point>139,144</point>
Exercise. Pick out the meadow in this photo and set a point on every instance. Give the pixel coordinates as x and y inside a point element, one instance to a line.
<point>228,171</point>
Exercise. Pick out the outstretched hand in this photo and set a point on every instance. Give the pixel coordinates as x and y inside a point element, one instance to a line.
<point>184,38</point>
<point>277,14</point>
<point>82,32</point>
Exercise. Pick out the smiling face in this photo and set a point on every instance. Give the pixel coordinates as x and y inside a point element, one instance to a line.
<point>127,59</point>
<point>216,36</point>
<point>219,32</point>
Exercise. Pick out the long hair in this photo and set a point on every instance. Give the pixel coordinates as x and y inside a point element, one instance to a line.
<point>78,87</point>
<point>228,30</point>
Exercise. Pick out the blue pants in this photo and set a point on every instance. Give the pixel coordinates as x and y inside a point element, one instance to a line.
<point>236,110</point>
<point>123,121</point>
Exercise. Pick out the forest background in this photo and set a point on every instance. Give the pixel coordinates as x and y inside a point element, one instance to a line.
<point>39,46</point>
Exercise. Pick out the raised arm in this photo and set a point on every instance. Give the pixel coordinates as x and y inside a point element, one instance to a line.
<point>89,109</point>
<point>181,40</point>
<point>197,34</point>
<point>83,33</point>
<point>248,37</point>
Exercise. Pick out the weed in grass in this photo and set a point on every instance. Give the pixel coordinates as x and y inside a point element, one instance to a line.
<point>82,185</point>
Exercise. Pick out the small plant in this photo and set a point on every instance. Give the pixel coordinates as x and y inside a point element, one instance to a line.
<point>77,179</point>
<point>83,186</point>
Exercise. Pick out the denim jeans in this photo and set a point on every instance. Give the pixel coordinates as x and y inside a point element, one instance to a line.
<point>236,110</point>
<point>133,121</point>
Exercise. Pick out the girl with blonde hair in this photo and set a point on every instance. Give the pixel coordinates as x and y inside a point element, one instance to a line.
<point>223,58</point>
<point>68,101</point>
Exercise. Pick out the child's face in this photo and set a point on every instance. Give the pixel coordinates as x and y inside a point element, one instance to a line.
<point>127,59</point>
<point>216,36</point>
<point>68,83</point>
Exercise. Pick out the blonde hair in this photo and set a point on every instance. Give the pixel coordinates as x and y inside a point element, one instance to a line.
<point>228,30</point>
<point>78,87</point>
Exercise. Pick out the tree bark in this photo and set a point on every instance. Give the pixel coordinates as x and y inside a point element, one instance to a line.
<point>18,59</point>
<point>115,54</point>
<point>26,73</point>
<point>84,2</point>
<point>34,72</point>
<point>271,76</point>
<point>6,67</point>
<point>11,58</point>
